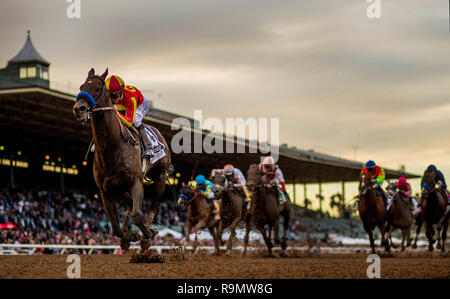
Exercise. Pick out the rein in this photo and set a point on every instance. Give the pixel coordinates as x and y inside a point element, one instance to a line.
<point>92,110</point>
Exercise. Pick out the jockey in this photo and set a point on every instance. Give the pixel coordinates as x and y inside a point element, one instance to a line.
<point>235,176</point>
<point>405,188</point>
<point>272,174</point>
<point>206,189</point>
<point>132,107</point>
<point>439,178</point>
<point>377,176</point>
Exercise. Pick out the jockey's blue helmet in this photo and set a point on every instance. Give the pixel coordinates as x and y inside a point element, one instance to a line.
<point>200,179</point>
<point>370,165</point>
<point>431,168</point>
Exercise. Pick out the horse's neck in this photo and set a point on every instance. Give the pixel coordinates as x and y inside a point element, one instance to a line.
<point>106,133</point>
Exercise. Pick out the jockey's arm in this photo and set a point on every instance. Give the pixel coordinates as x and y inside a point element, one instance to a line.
<point>381,176</point>
<point>215,171</point>
<point>130,111</point>
<point>408,191</point>
<point>239,177</point>
<point>279,179</point>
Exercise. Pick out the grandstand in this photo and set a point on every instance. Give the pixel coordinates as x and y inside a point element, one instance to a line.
<point>43,146</point>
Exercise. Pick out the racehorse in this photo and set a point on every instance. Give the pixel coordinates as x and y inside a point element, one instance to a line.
<point>372,210</point>
<point>265,210</point>
<point>198,215</point>
<point>434,211</point>
<point>231,205</point>
<point>399,216</point>
<point>117,162</point>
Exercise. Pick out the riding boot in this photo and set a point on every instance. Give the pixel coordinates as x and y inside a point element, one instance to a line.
<point>148,152</point>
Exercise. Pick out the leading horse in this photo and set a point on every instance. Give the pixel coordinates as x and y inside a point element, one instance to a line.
<point>372,211</point>
<point>117,162</point>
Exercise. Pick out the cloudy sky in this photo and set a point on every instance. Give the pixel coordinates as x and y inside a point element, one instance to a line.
<point>340,83</point>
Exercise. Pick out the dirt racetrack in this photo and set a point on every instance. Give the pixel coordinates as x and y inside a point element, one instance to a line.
<point>408,265</point>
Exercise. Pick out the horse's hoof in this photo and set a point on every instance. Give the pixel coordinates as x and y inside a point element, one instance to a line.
<point>145,243</point>
<point>124,244</point>
<point>430,248</point>
<point>284,244</point>
<point>438,245</point>
<point>154,232</point>
<point>134,236</point>
<point>414,246</point>
<point>277,241</point>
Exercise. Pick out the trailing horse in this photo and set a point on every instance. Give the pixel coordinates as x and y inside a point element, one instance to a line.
<point>199,214</point>
<point>117,162</point>
<point>400,216</point>
<point>265,210</point>
<point>372,211</point>
<point>231,206</point>
<point>434,210</point>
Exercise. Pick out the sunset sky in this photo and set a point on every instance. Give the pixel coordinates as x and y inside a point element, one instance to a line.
<point>341,83</point>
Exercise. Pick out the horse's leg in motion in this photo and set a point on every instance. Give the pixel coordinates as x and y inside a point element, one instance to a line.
<point>276,230</point>
<point>384,240</point>
<point>286,219</point>
<point>156,191</point>
<point>406,238</point>
<point>111,209</point>
<point>419,223</point>
<point>439,229</point>
<point>137,194</point>
<point>369,231</point>
<point>247,233</point>
<point>389,229</point>
<point>214,232</point>
<point>125,244</point>
<point>233,227</point>
<point>266,238</point>
<point>444,232</point>
<point>430,235</point>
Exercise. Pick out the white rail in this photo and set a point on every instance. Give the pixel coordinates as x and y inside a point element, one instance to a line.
<point>12,248</point>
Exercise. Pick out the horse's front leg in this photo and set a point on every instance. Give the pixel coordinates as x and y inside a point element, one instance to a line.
<point>430,235</point>
<point>248,227</point>
<point>137,195</point>
<point>125,244</point>
<point>419,223</point>
<point>384,240</point>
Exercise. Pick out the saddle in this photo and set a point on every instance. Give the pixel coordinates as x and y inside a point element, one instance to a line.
<point>156,146</point>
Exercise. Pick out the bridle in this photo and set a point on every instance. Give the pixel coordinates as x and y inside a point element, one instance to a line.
<point>93,102</point>
<point>363,186</point>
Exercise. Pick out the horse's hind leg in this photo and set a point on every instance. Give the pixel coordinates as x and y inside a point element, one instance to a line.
<point>276,230</point>
<point>233,227</point>
<point>111,209</point>
<point>439,229</point>
<point>247,232</point>
<point>125,244</point>
<point>444,233</point>
<point>369,231</point>
<point>419,226</point>
<point>266,239</point>
<point>137,193</point>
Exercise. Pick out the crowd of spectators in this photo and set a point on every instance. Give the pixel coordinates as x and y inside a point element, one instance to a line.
<point>52,218</point>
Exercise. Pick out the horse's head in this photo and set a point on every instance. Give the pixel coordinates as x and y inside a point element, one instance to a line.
<point>185,196</point>
<point>92,94</point>
<point>428,184</point>
<point>365,183</point>
<point>253,177</point>
<point>220,184</point>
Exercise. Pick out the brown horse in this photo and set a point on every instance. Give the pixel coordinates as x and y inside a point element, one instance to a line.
<point>434,211</point>
<point>231,205</point>
<point>400,216</point>
<point>372,210</point>
<point>198,215</point>
<point>117,162</point>
<point>265,210</point>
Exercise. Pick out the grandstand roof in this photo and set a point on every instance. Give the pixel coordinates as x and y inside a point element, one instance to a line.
<point>43,119</point>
